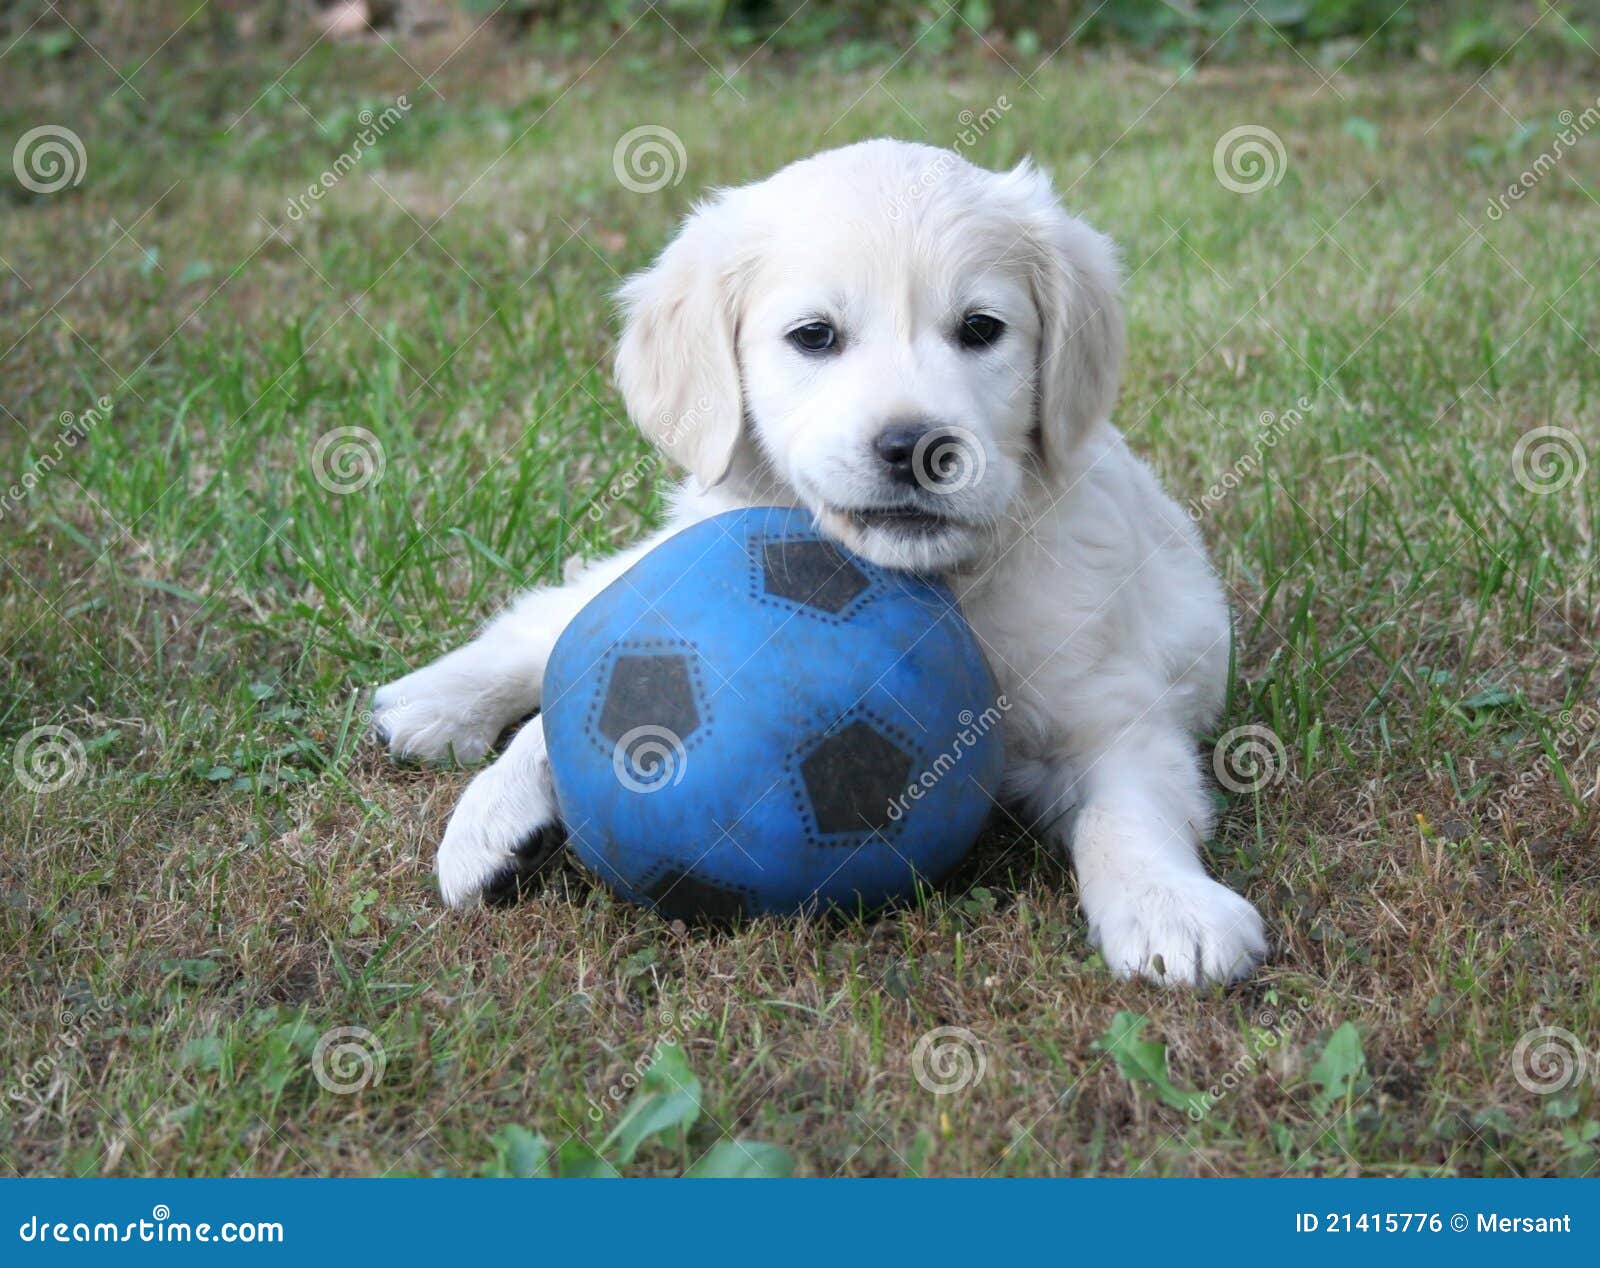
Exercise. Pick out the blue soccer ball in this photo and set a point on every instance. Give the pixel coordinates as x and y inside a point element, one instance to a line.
<point>753,721</point>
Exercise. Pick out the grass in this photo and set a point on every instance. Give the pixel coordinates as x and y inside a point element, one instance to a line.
<point>229,873</point>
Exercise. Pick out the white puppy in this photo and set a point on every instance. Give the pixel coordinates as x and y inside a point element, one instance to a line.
<point>924,354</point>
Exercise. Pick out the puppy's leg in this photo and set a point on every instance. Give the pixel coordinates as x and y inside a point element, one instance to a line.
<point>1135,844</point>
<point>459,704</point>
<point>504,827</point>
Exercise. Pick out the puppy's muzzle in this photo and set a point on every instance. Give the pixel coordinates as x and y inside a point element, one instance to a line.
<point>936,458</point>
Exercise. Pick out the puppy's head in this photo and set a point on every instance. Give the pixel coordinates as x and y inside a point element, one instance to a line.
<point>898,336</point>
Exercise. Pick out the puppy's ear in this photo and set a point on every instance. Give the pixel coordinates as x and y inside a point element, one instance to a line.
<point>677,364</point>
<point>1077,285</point>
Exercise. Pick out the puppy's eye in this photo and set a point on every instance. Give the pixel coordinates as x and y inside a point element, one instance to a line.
<point>979,330</point>
<point>814,337</point>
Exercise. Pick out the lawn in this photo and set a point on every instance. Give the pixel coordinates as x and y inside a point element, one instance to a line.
<point>1340,358</point>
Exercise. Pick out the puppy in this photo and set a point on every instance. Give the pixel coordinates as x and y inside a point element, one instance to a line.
<point>924,355</point>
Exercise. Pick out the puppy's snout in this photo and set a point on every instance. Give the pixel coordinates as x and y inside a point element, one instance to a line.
<point>897,447</point>
<point>925,454</point>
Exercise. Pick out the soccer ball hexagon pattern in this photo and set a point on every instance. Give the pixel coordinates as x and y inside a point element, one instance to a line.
<point>753,721</point>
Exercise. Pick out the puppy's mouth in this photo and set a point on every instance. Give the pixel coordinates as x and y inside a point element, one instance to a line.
<point>906,521</point>
<point>902,536</point>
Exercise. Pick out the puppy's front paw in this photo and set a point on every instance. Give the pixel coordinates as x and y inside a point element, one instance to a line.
<point>496,843</point>
<point>1186,929</point>
<point>432,715</point>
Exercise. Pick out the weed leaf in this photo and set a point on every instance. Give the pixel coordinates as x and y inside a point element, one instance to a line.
<point>668,1100</point>
<point>742,1160</point>
<point>1338,1068</point>
<point>524,1155</point>
<point>1144,1061</point>
<point>583,1162</point>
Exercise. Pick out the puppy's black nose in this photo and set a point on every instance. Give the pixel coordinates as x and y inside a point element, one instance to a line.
<point>897,446</point>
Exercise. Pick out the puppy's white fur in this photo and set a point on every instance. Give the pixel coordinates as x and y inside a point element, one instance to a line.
<point>1104,624</point>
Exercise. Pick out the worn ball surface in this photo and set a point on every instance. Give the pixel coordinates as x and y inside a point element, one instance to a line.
<point>753,721</point>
